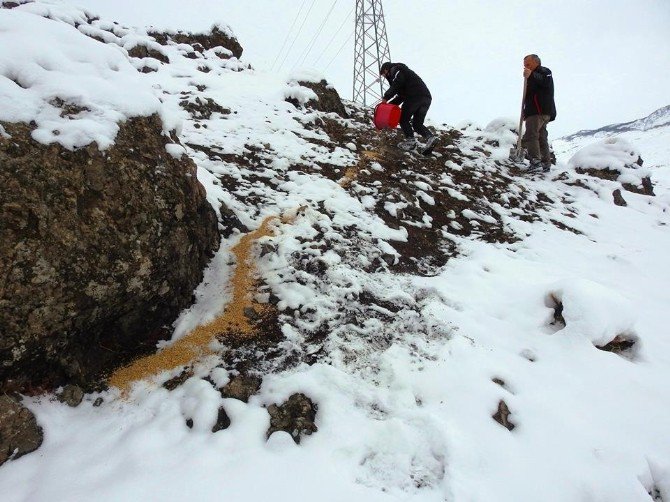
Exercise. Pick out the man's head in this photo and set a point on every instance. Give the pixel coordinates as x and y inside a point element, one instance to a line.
<point>531,61</point>
<point>385,68</point>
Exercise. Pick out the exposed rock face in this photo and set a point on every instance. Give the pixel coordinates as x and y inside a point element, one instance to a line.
<point>329,100</point>
<point>202,41</point>
<point>98,251</point>
<point>19,431</point>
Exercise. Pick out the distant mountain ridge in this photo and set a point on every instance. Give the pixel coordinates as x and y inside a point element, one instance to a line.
<point>659,118</point>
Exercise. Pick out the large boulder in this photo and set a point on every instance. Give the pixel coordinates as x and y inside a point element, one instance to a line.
<point>98,251</point>
<point>328,100</point>
<point>308,89</point>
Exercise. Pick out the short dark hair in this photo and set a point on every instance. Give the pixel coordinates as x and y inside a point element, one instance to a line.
<point>535,58</point>
<point>385,67</point>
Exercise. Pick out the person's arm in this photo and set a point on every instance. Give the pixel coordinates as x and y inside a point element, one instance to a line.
<point>396,85</point>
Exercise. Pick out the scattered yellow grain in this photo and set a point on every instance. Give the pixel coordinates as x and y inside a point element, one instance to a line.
<point>351,173</point>
<point>196,343</point>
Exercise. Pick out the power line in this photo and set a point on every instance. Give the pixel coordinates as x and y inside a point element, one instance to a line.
<point>316,35</point>
<point>340,50</point>
<point>327,46</point>
<point>296,37</point>
<point>288,33</point>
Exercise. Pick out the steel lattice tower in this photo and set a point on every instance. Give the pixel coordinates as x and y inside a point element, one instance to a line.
<point>371,49</point>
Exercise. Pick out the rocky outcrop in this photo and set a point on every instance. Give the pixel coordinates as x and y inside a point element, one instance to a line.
<point>98,251</point>
<point>202,41</point>
<point>328,99</point>
<point>19,431</point>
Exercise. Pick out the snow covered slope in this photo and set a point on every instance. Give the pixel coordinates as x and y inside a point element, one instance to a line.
<point>649,134</point>
<point>467,333</point>
<point>659,118</point>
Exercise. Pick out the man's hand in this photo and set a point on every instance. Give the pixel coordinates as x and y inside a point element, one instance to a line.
<point>384,101</point>
<point>526,73</point>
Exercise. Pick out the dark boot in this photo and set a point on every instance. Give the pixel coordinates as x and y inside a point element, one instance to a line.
<point>408,145</point>
<point>430,144</point>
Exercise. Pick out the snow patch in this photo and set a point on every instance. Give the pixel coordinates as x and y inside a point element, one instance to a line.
<point>74,88</point>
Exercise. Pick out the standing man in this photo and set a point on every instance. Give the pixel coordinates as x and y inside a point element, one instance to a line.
<point>407,88</point>
<point>538,110</point>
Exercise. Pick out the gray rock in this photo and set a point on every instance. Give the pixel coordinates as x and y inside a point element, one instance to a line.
<point>296,416</point>
<point>222,421</point>
<point>98,251</point>
<point>502,416</point>
<point>71,395</point>
<point>242,387</point>
<point>19,431</point>
<point>618,198</point>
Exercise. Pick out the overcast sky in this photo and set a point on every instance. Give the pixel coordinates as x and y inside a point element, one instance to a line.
<point>610,58</point>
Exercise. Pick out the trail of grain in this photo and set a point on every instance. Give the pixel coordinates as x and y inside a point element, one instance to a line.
<point>351,173</point>
<point>196,343</point>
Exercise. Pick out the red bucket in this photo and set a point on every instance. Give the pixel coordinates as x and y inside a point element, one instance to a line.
<point>386,115</point>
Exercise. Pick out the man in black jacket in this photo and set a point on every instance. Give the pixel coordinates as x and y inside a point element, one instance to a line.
<point>538,110</point>
<point>407,88</point>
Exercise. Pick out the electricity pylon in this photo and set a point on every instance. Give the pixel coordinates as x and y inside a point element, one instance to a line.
<point>371,49</point>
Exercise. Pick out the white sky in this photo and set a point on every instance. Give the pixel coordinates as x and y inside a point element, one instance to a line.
<point>610,58</point>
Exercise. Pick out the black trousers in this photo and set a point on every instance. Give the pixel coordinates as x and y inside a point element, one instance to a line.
<point>413,114</point>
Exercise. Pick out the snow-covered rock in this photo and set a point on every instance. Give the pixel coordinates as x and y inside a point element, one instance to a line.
<point>614,153</point>
<point>614,159</point>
